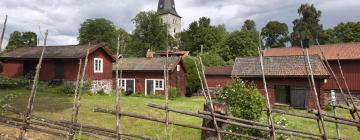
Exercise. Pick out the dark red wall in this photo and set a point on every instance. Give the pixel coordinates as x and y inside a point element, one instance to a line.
<point>140,77</point>
<point>351,69</point>
<point>107,70</point>
<point>12,68</point>
<point>218,80</point>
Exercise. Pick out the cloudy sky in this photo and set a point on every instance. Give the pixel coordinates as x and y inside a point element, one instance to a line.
<point>63,17</point>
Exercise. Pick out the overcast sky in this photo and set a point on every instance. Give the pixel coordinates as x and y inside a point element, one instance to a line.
<point>63,17</point>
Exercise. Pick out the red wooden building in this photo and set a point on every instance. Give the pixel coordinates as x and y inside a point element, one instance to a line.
<point>349,56</point>
<point>218,76</point>
<point>60,63</point>
<point>146,75</point>
<point>286,78</point>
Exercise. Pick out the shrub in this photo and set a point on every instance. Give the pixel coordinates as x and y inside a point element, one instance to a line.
<point>192,78</point>
<point>9,83</point>
<point>244,101</point>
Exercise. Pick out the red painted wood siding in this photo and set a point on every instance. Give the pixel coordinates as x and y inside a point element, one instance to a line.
<point>12,68</point>
<point>218,80</point>
<point>351,69</point>
<point>140,77</point>
<point>107,66</point>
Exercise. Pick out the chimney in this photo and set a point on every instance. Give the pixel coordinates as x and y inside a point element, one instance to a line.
<point>149,54</point>
<point>305,43</point>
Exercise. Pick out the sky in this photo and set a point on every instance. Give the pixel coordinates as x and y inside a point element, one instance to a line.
<point>63,17</point>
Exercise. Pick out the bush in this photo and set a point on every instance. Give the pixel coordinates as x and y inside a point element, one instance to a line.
<point>10,83</point>
<point>243,101</point>
<point>192,78</point>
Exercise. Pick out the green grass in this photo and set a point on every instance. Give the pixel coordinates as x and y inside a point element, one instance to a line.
<point>53,105</point>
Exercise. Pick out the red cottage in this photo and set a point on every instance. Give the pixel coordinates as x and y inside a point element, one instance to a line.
<point>146,75</point>
<point>349,56</point>
<point>61,64</point>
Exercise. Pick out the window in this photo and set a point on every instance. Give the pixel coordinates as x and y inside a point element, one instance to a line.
<point>159,84</point>
<point>98,65</point>
<point>128,85</point>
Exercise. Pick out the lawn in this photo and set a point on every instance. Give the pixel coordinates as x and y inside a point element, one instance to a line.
<point>51,104</point>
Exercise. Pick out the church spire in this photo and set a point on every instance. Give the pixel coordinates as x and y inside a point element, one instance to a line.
<point>167,7</point>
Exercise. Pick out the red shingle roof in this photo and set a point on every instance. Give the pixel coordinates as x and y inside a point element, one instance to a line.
<point>225,70</point>
<point>345,51</point>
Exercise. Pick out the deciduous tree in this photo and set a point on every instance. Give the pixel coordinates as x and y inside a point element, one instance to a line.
<point>21,39</point>
<point>275,34</point>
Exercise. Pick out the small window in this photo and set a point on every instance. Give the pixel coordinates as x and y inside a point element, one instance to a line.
<point>174,30</point>
<point>159,84</point>
<point>177,67</point>
<point>98,65</point>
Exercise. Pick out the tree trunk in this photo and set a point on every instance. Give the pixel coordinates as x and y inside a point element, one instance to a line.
<point>219,108</point>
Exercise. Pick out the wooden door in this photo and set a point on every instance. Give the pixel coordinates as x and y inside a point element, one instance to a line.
<point>59,70</point>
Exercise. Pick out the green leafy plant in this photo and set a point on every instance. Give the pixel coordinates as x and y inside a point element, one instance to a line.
<point>68,88</point>
<point>10,83</point>
<point>173,93</point>
<point>244,101</point>
<point>6,99</point>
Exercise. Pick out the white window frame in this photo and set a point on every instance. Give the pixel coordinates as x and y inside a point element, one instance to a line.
<point>98,65</point>
<point>125,83</point>
<point>154,85</point>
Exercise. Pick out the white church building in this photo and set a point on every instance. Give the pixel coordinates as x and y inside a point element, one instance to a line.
<point>168,15</point>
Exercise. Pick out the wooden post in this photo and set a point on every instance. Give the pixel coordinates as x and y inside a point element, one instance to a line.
<point>78,98</point>
<point>71,129</point>
<point>30,105</point>
<point>201,82</point>
<point>319,115</point>
<point>210,100</point>
<point>219,109</point>
<point>118,93</point>
<point>3,32</point>
<point>268,106</point>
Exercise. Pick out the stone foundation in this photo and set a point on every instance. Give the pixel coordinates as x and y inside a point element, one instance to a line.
<point>98,85</point>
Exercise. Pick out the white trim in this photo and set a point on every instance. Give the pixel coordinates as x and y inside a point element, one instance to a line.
<point>154,85</point>
<point>130,79</point>
<point>98,68</point>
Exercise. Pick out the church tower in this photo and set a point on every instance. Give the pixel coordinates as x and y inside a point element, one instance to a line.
<point>167,12</point>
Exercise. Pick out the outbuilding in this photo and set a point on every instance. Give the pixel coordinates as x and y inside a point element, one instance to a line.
<point>61,63</point>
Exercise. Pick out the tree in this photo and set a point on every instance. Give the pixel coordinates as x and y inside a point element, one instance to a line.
<point>249,25</point>
<point>149,33</point>
<point>307,26</point>
<point>21,39</point>
<point>275,34</point>
<point>98,30</point>
<point>212,59</point>
<point>239,43</point>
<point>124,37</point>
<point>344,32</point>
<point>192,78</point>
<point>201,32</point>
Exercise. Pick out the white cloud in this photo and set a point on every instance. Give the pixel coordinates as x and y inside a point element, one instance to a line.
<point>63,17</point>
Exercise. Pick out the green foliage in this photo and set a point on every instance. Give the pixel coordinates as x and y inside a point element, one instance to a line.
<point>21,39</point>
<point>249,25</point>
<point>307,26</point>
<point>275,34</point>
<point>328,107</point>
<point>192,78</point>
<point>244,101</point>
<point>212,59</point>
<point>239,43</point>
<point>98,30</point>
<point>68,88</point>
<point>201,33</point>
<point>343,33</point>
<point>173,93</point>
<point>281,121</point>
<point>10,83</point>
<point>149,33</point>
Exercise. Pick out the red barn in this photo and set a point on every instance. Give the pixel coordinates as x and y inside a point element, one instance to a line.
<point>287,79</point>
<point>349,56</point>
<point>60,63</point>
<point>146,75</point>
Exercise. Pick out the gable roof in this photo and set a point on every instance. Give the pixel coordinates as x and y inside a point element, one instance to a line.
<point>167,7</point>
<point>346,51</point>
<point>54,52</point>
<point>147,64</point>
<point>284,66</point>
<point>224,70</point>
